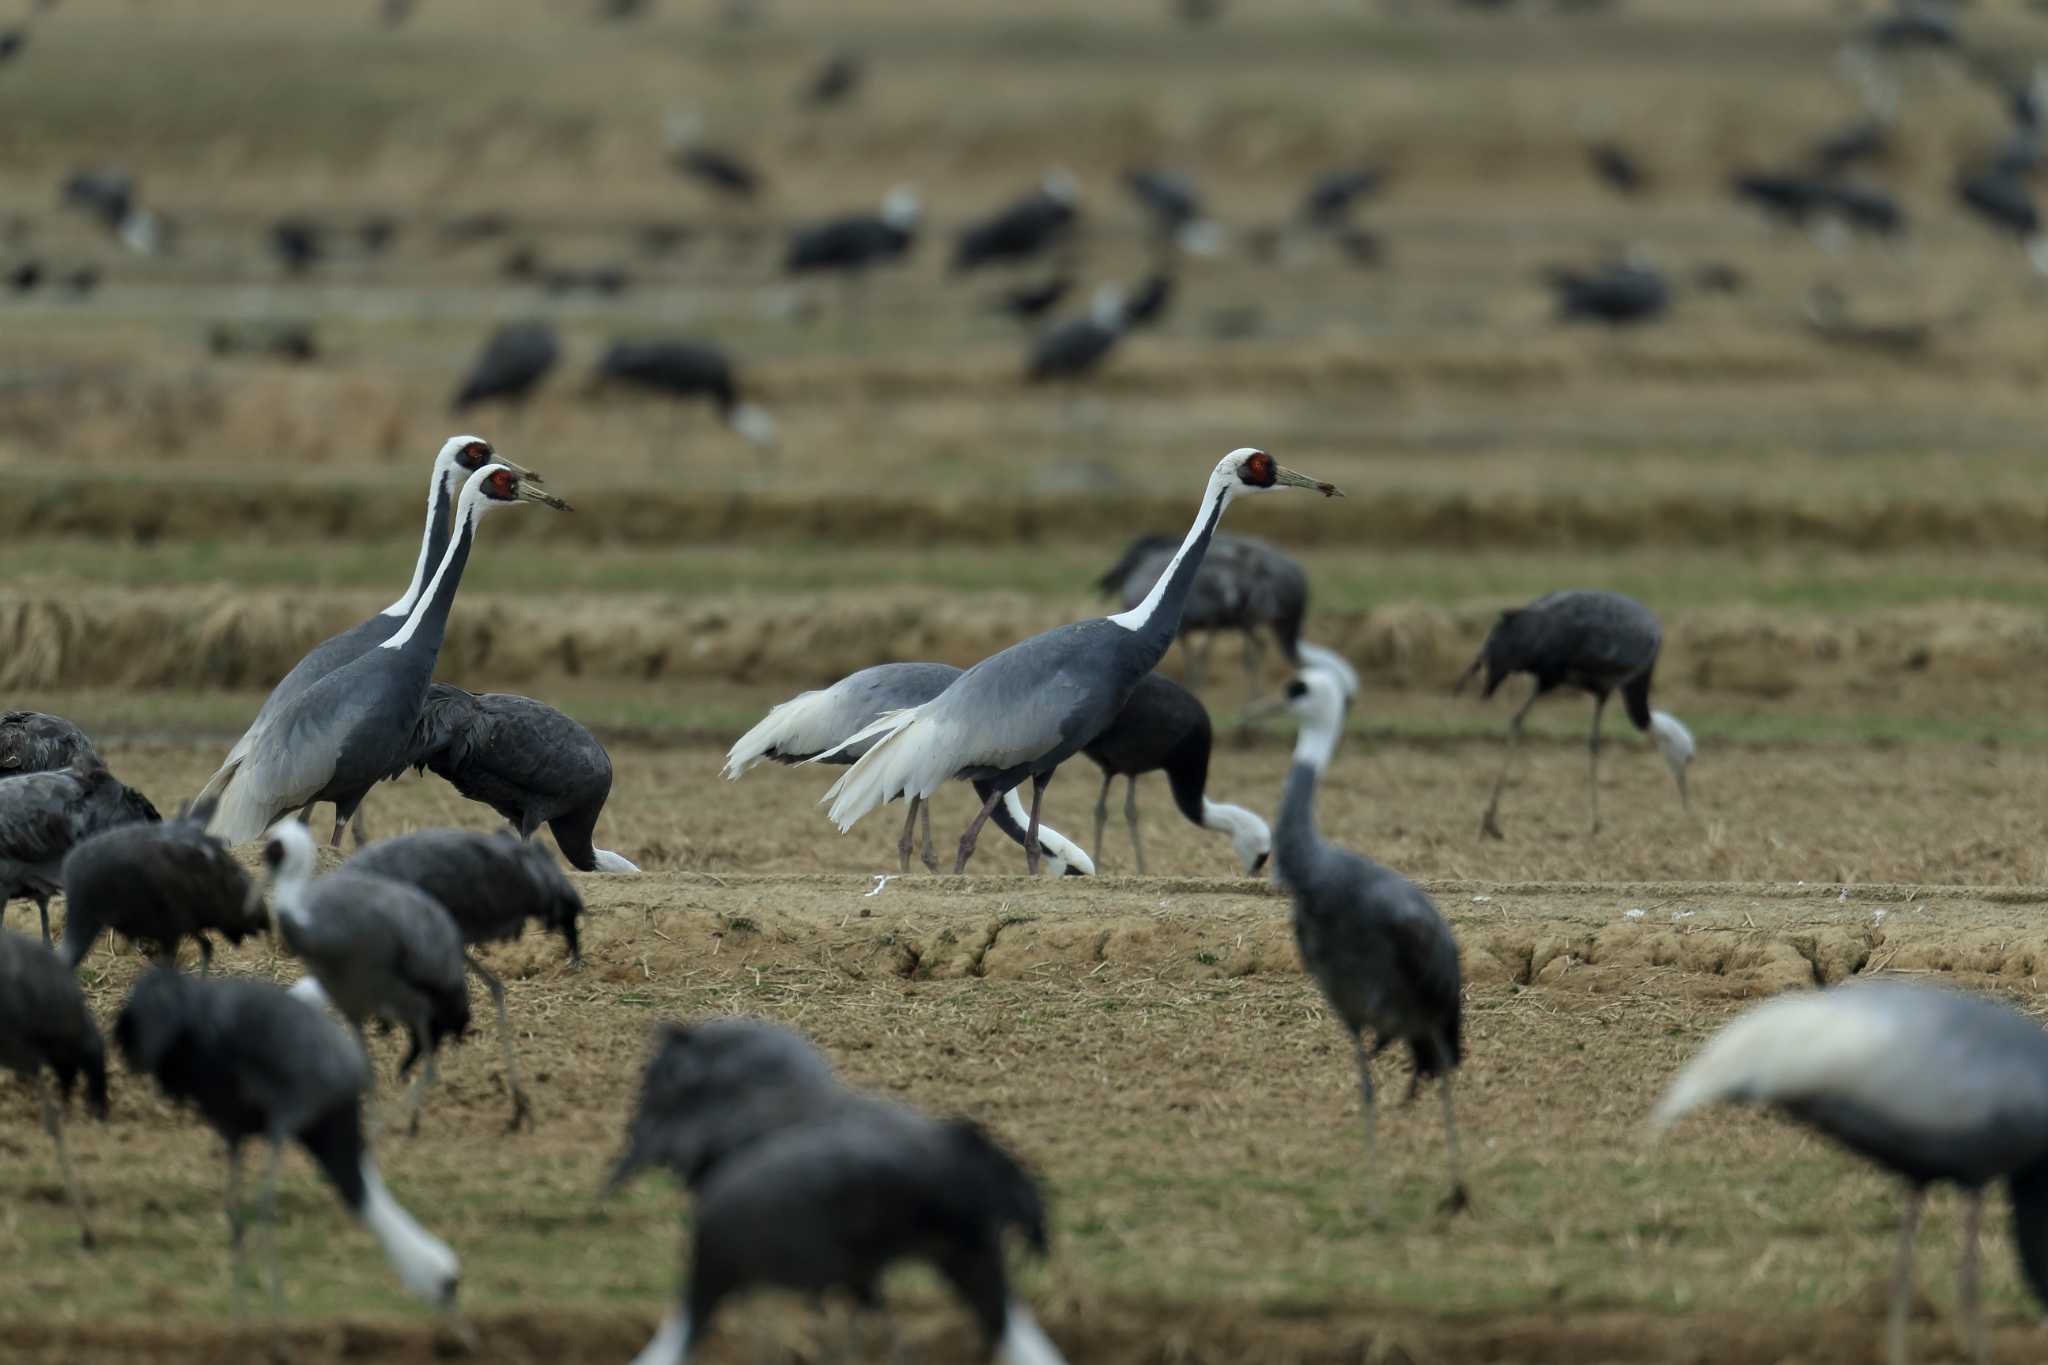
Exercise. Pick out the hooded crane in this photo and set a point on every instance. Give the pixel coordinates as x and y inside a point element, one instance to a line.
<point>1931,1084</point>
<point>1165,726</point>
<point>513,362</point>
<point>44,1024</point>
<point>352,728</point>
<point>687,369</point>
<point>715,168</point>
<point>1022,229</point>
<point>1371,938</point>
<point>1176,208</point>
<point>43,816</point>
<point>459,457</point>
<point>857,241</point>
<point>809,725</point>
<point>35,742</point>
<point>380,949</point>
<point>1021,713</point>
<point>1592,640</point>
<point>490,885</point>
<point>525,760</point>
<point>258,1064</point>
<point>157,885</point>
<point>1077,346</point>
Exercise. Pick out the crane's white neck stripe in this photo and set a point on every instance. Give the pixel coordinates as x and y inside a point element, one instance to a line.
<point>667,1347</point>
<point>1221,486</point>
<point>437,511</point>
<point>471,512</point>
<point>1317,743</point>
<point>424,1263</point>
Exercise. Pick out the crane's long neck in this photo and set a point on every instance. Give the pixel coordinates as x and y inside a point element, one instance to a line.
<point>428,620</point>
<point>1296,845</point>
<point>433,542</point>
<point>1156,620</point>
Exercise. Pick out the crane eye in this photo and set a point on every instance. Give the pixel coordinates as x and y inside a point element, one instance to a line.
<point>1296,690</point>
<point>1257,469</point>
<point>503,485</point>
<point>475,455</point>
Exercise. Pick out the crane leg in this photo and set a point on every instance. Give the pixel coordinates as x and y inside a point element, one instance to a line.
<point>1254,660</point>
<point>1593,760</point>
<point>522,1110</point>
<point>53,1123</point>
<point>1371,1120</point>
<point>1102,816</point>
<point>270,1231</point>
<point>906,843</point>
<point>1457,1201</point>
<point>988,805</point>
<point>928,856</point>
<point>416,1094</point>
<point>205,954</point>
<point>238,1269</point>
<point>43,909</point>
<point>1489,823</point>
<point>359,831</point>
<point>1039,782</point>
<point>1131,819</point>
<point>1972,1303</point>
<point>1902,1279</point>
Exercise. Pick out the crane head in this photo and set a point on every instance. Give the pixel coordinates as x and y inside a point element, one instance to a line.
<point>501,483</point>
<point>1246,470</point>
<point>462,456</point>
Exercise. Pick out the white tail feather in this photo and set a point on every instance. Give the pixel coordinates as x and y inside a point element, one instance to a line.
<point>608,861</point>
<point>243,813</point>
<point>1801,1043</point>
<point>899,763</point>
<point>790,726</point>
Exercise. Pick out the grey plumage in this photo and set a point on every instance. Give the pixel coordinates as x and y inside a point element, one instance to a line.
<point>1932,1084</point>
<point>513,362</point>
<point>257,1064</point>
<point>679,368</point>
<point>43,816</point>
<point>36,742</point>
<point>491,885</point>
<point>46,1026</point>
<point>1076,347</point>
<point>380,949</point>
<point>522,758</point>
<point>157,885</point>
<point>1373,940</point>
<point>1597,642</point>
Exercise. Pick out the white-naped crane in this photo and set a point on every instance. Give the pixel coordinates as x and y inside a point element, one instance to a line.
<point>525,760</point>
<point>43,816</point>
<point>46,1027</point>
<point>351,728</point>
<point>257,1064</point>
<point>1372,940</point>
<point>491,885</point>
<point>380,949</point>
<point>1165,727</point>
<point>1019,714</point>
<point>1934,1085</point>
<point>1592,640</point>
<point>812,724</point>
<point>458,458</point>
<point>157,885</point>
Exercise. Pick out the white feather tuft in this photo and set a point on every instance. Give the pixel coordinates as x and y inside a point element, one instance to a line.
<point>753,424</point>
<point>244,813</point>
<point>912,754</point>
<point>1024,1341</point>
<point>669,1345</point>
<point>608,861</point>
<point>791,727</point>
<point>1800,1044</point>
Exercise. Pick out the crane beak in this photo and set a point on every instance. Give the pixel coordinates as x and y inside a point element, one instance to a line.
<point>1288,478</point>
<point>530,491</point>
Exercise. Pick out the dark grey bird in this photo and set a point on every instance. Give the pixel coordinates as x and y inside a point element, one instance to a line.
<point>1793,197</point>
<point>1933,1085</point>
<point>514,361</point>
<point>490,885</point>
<point>716,168</point>
<point>458,458</point>
<point>1022,229</point>
<point>45,1025</point>
<point>43,816</point>
<point>81,280</point>
<point>1618,294</point>
<point>1718,277</point>
<point>857,242</point>
<point>836,81</point>
<point>1867,209</point>
<point>106,193</point>
<point>380,949</point>
<point>811,726</point>
<point>352,728</point>
<point>157,885</point>
<point>1866,139</point>
<point>1149,302</point>
<point>257,1064</point>
<point>1373,940</point>
<point>1165,727</point>
<point>681,369</point>
<point>1028,302</point>
<point>1020,713</point>
<point>376,233</point>
<point>1616,167</point>
<point>13,41</point>
<point>269,338</point>
<point>1078,346</point>
<point>2005,203</point>
<point>1175,205</point>
<point>1596,642</point>
<point>1912,27</point>
<point>24,278</point>
<point>1334,194</point>
<point>37,742</point>
<point>1360,246</point>
<point>298,243</point>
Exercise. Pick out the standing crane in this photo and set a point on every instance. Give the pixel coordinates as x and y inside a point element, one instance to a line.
<point>1022,229</point>
<point>45,1025</point>
<point>1592,640</point>
<point>1372,939</point>
<point>1022,712</point>
<point>687,369</point>
<point>1929,1083</point>
<point>1165,726</point>
<point>157,885</point>
<point>43,816</point>
<point>511,365</point>
<point>459,457</point>
<point>350,729</point>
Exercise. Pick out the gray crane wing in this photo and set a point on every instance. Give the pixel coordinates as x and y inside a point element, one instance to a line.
<point>36,816</point>
<point>298,754</point>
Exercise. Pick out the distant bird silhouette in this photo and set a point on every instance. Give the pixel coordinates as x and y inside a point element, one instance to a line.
<point>273,339</point>
<point>1619,294</point>
<point>1334,194</point>
<point>1596,642</point>
<point>1165,727</point>
<point>687,369</point>
<point>157,885</point>
<point>836,81</point>
<point>36,742</point>
<point>1795,198</point>
<point>106,193</point>
<point>1028,301</point>
<point>376,233</point>
<point>856,243</point>
<point>714,167</point>
<point>82,280</point>
<point>13,42</point>
<point>2005,203</point>
<point>1149,302</point>
<point>1023,229</point>
<point>46,1025</point>
<point>1931,1084</point>
<point>1372,940</point>
<point>1360,247</point>
<point>24,278</point>
<point>1866,139</point>
<point>1718,277</point>
<point>1865,208</point>
<point>1616,167</point>
<point>1910,27</point>
<point>1078,346</point>
<point>298,243</point>
<point>43,816</point>
<point>513,363</point>
<point>1176,209</point>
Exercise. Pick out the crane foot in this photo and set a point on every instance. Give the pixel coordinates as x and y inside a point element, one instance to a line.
<point>1490,827</point>
<point>1457,1201</point>
<point>522,1113</point>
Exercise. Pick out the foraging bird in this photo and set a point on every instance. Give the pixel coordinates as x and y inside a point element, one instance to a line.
<point>2007,204</point>
<point>1617,168</point>
<point>525,760</point>
<point>513,363</point>
<point>1616,294</point>
<point>376,233</point>
<point>459,457</point>
<point>836,81</point>
<point>298,243</point>
<point>43,816</point>
<point>278,339</point>
<point>1330,200</point>
<point>380,949</point>
<point>856,242</point>
<point>45,1024</point>
<point>103,192</point>
<point>1794,197</point>
<point>1865,208</point>
<point>1149,301</point>
<point>1373,940</point>
<point>713,167</point>
<point>687,369</point>
<point>25,277</point>
<point>490,885</point>
<point>1596,642</point>
<point>1165,727</point>
<point>1022,229</point>
<point>157,885</point>
<point>37,742</point>
<point>258,1064</point>
<point>811,725</point>
<point>1077,346</point>
<point>1176,208</point>
<point>1022,712</point>
<point>12,42</point>
<point>1932,1084</point>
<point>1866,139</point>
<point>1026,302</point>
